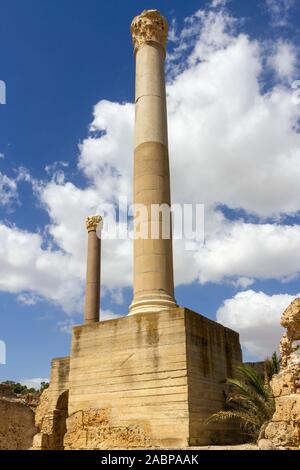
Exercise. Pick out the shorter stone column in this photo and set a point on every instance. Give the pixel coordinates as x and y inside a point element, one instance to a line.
<point>92,300</point>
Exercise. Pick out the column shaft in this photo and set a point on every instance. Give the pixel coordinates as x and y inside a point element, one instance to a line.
<point>153,258</point>
<point>92,301</point>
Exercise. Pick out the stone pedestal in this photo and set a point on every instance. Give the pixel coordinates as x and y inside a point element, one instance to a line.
<point>147,380</point>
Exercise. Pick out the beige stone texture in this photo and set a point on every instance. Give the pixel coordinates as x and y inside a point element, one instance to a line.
<point>284,429</point>
<point>91,430</point>
<point>149,380</point>
<point>150,120</point>
<point>149,59</point>
<point>153,258</point>
<point>265,444</point>
<point>52,412</point>
<point>17,426</point>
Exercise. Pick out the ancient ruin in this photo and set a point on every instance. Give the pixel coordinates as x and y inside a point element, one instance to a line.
<point>284,429</point>
<point>153,377</point>
<point>17,426</point>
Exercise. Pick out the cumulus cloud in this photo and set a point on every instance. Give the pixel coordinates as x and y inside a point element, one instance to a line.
<point>231,144</point>
<point>243,252</point>
<point>27,267</point>
<point>256,316</point>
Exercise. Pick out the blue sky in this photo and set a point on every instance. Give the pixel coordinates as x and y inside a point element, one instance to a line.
<point>234,146</point>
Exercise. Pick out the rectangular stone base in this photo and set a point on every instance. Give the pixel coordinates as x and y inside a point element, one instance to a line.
<point>149,380</point>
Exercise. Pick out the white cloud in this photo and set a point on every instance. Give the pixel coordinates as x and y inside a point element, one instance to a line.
<point>243,252</point>
<point>8,190</point>
<point>27,299</point>
<point>33,383</point>
<point>256,316</point>
<point>218,3</point>
<point>279,11</point>
<point>28,268</point>
<point>2,156</point>
<point>284,60</point>
<point>230,143</point>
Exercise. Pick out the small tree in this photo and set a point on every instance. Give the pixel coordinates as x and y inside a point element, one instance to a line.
<point>44,386</point>
<point>272,366</point>
<point>250,401</point>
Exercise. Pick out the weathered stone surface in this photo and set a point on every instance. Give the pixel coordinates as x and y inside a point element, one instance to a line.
<point>150,27</point>
<point>265,444</point>
<point>16,424</point>
<point>284,429</point>
<point>283,384</point>
<point>287,408</point>
<point>92,430</point>
<point>42,408</point>
<point>141,381</point>
<point>284,434</point>
<point>291,317</point>
<point>150,379</point>
<point>52,411</point>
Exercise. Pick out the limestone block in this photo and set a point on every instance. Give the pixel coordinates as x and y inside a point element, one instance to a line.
<point>75,421</point>
<point>76,440</point>
<point>41,441</point>
<point>283,384</point>
<point>149,379</point>
<point>283,433</point>
<point>265,444</point>
<point>94,430</point>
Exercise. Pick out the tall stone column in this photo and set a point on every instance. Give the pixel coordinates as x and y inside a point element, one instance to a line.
<point>153,258</point>
<point>92,299</point>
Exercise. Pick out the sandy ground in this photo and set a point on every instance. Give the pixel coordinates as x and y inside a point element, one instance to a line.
<point>238,447</point>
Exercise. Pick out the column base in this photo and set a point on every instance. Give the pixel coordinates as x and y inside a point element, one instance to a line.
<point>150,304</point>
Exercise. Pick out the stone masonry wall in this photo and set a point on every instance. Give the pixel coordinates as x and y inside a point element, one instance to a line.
<point>284,429</point>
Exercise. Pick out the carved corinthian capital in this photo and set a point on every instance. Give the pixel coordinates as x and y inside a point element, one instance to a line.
<point>92,222</point>
<point>149,26</point>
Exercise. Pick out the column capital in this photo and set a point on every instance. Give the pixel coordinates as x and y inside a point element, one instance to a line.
<point>150,26</point>
<point>92,222</point>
